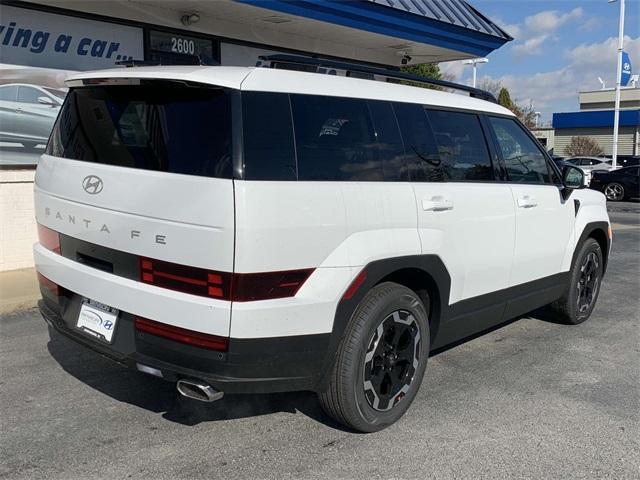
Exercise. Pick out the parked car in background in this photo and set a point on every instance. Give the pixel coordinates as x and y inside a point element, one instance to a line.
<point>617,184</point>
<point>589,165</point>
<point>28,112</point>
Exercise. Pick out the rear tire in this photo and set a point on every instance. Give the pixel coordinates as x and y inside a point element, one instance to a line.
<point>578,302</point>
<point>381,360</point>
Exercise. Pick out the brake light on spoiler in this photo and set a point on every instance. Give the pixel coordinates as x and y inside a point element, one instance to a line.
<point>238,287</point>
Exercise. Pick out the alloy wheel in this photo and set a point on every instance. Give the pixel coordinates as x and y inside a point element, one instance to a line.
<point>614,191</point>
<point>588,282</point>
<point>391,360</point>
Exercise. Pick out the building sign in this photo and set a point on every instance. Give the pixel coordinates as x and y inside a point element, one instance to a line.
<point>168,47</point>
<point>41,39</point>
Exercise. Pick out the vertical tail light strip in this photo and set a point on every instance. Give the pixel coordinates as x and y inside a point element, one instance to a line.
<point>49,239</point>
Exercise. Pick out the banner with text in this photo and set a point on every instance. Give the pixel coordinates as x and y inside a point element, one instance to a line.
<point>48,40</point>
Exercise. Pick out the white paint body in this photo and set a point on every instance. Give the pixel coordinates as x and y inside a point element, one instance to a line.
<point>490,236</point>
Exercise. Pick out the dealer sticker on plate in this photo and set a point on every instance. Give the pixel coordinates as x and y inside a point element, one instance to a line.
<point>97,320</point>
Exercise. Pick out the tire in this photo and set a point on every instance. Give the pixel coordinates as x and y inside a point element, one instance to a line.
<point>584,285</point>
<point>372,385</point>
<point>614,192</point>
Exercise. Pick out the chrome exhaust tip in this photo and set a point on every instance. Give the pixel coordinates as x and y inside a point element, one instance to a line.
<point>198,391</point>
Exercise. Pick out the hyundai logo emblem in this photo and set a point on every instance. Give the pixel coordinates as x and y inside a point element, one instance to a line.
<point>92,184</point>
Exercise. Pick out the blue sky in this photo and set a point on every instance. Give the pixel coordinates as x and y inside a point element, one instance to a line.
<point>559,48</point>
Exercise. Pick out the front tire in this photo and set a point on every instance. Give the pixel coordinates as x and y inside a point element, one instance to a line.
<point>584,285</point>
<point>380,361</point>
<point>614,192</point>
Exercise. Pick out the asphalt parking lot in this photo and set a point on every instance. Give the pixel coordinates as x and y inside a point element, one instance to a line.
<point>532,399</point>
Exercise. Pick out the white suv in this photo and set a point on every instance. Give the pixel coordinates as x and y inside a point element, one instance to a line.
<point>262,230</point>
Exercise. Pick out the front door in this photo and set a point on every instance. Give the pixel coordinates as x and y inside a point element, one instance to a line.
<point>544,220</point>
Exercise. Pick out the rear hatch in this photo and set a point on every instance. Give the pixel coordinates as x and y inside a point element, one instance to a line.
<point>143,170</point>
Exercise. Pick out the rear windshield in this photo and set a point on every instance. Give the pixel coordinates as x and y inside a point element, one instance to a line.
<point>163,126</point>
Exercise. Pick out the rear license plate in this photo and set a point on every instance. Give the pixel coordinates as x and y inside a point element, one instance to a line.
<point>97,319</point>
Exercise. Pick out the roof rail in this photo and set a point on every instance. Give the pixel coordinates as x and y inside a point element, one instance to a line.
<point>318,65</point>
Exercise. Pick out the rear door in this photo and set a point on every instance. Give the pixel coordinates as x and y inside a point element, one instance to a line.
<point>465,215</point>
<point>544,220</point>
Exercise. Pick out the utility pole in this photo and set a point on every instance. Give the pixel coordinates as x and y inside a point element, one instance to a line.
<point>616,111</point>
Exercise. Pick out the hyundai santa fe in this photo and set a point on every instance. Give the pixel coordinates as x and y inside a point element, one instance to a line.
<point>265,230</point>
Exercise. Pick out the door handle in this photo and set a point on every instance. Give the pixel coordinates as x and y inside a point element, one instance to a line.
<point>437,203</point>
<point>527,201</point>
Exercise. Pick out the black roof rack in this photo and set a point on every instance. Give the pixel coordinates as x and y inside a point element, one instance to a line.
<point>293,61</point>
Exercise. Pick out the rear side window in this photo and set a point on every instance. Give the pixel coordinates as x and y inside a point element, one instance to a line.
<point>9,93</point>
<point>157,126</point>
<point>524,162</point>
<point>269,152</point>
<point>334,139</point>
<point>422,158</point>
<point>462,147</point>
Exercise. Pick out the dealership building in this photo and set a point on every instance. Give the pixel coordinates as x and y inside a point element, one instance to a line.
<point>42,42</point>
<point>595,120</point>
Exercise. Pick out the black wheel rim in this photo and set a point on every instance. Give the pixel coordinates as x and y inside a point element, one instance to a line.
<point>391,361</point>
<point>614,191</point>
<point>588,282</point>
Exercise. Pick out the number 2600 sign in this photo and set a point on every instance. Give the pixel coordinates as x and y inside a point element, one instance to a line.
<point>183,45</point>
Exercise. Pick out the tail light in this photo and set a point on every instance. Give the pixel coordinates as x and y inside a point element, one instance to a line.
<point>196,281</point>
<point>49,285</point>
<point>240,287</point>
<point>182,335</point>
<point>49,239</point>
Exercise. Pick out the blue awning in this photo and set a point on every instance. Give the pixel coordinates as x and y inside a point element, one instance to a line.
<point>450,24</point>
<point>595,119</point>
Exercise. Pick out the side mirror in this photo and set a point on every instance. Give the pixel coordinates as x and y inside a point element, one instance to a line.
<point>46,101</point>
<point>573,178</point>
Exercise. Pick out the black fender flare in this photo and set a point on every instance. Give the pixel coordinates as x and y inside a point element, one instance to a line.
<point>588,231</point>
<point>377,271</point>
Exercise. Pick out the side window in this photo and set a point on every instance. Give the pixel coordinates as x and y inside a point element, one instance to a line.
<point>461,145</point>
<point>29,95</point>
<point>9,93</point>
<point>524,161</point>
<point>334,139</point>
<point>421,152</point>
<point>269,152</point>
<point>389,149</point>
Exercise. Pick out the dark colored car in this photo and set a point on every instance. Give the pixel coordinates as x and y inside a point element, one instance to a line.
<point>618,184</point>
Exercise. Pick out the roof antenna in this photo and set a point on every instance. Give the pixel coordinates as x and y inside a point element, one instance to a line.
<point>602,83</point>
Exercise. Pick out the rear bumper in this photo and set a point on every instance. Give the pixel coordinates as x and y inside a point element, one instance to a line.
<point>250,366</point>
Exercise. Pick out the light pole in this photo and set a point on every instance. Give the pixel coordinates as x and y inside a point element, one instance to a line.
<point>616,110</point>
<point>474,62</point>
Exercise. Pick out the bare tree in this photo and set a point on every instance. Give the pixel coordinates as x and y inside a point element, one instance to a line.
<point>585,146</point>
<point>489,85</point>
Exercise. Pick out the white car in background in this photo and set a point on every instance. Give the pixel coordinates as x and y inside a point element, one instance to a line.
<point>590,164</point>
<point>28,112</point>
